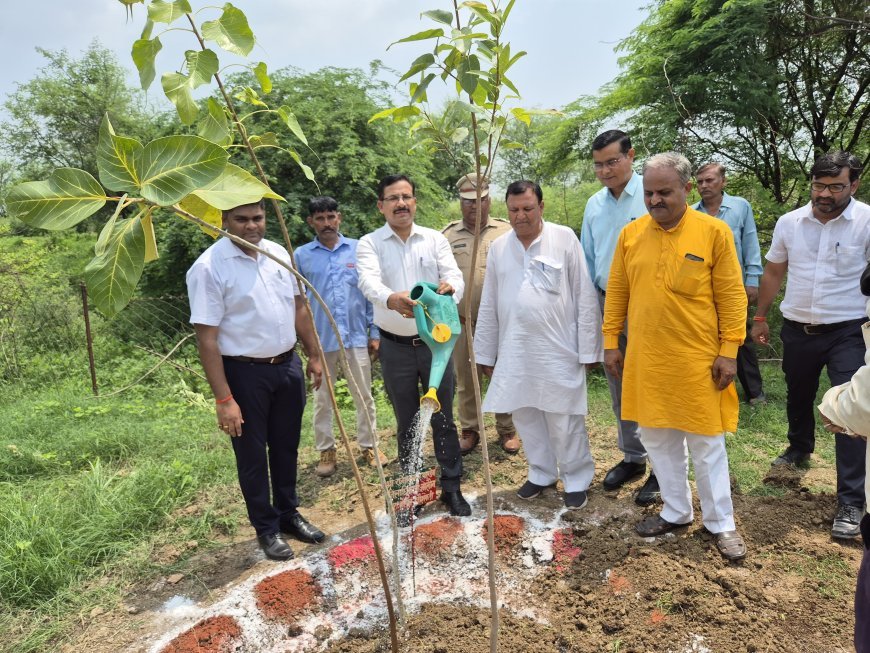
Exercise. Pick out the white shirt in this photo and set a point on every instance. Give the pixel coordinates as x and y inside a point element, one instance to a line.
<point>250,300</point>
<point>825,262</point>
<point>386,265</point>
<point>539,323</point>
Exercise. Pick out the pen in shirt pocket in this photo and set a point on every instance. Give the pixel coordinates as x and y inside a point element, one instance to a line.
<point>694,257</point>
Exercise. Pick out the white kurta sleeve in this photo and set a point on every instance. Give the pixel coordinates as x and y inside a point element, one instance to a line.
<point>486,331</point>
<point>588,318</point>
<point>369,268</point>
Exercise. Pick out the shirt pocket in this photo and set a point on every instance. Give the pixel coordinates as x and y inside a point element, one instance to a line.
<point>690,277</point>
<point>545,274</point>
<point>351,275</point>
<point>850,260</point>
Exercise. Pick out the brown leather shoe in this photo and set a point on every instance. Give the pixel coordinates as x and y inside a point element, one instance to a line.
<point>730,545</point>
<point>468,440</point>
<point>326,466</point>
<point>369,456</point>
<point>510,442</point>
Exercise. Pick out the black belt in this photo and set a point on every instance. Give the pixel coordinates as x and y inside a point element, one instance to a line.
<point>414,341</point>
<point>274,360</point>
<point>819,329</point>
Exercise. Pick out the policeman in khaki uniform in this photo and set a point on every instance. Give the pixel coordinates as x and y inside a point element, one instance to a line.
<point>460,234</point>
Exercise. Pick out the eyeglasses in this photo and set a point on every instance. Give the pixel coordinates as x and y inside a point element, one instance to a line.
<point>818,187</point>
<point>612,163</point>
<point>395,198</point>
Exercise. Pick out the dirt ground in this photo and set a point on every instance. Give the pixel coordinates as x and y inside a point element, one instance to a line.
<point>608,590</point>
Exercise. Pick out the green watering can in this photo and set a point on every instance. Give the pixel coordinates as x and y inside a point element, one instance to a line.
<point>438,325</point>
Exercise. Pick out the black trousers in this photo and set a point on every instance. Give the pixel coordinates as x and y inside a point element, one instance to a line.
<point>405,369</point>
<point>803,357</point>
<point>748,372</point>
<point>862,594</point>
<point>272,399</point>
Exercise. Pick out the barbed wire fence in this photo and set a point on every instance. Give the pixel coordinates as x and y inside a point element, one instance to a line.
<point>50,336</point>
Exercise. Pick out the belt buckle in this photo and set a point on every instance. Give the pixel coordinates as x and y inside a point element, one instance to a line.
<point>272,360</point>
<point>808,329</point>
<point>416,342</point>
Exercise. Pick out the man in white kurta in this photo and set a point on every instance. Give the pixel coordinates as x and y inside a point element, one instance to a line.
<point>538,327</point>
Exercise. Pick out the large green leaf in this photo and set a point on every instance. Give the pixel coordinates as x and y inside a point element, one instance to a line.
<point>171,168</point>
<point>290,120</point>
<point>112,275</point>
<point>144,53</point>
<point>420,36</point>
<point>214,126</point>
<point>115,155</point>
<point>230,31</point>
<point>201,65</point>
<point>66,198</point>
<point>177,89</point>
<point>306,170</point>
<point>233,188</point>
<point>167,12</point>
<point>204,211</point>
<point>439,16</point>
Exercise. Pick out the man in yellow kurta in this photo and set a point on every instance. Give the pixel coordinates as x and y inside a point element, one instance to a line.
<point>676,277</point>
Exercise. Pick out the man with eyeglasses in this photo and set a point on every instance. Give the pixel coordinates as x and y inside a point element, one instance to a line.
<point>737,214</point>
<point>461,234</point>
<point>607,212</point>
<point>824,247</point>
<point>391,260</point>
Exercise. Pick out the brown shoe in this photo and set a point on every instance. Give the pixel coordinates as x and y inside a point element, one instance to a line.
<point>510,442</point>
<point>369,455</point>
<point>326,466</point>
<point>468,440</point>
<point>655,525</point>
<point>730,545</point>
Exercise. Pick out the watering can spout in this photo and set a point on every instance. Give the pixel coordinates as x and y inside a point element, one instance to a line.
<point>438,326</point>
<point>431,396</point>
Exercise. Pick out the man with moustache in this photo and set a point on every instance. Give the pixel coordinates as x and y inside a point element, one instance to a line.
<point>676,278</point>
<point>607,212</point>
<point>329,264</point>
<point>737,214</point>
<point>538,328</point>
<point>824,247</point>
<point>391,260</point>
<point>247,312</point>
<point>461,235</point>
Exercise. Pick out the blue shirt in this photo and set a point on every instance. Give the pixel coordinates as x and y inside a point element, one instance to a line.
<point>603,219</point>
<point>333,273</point>
<point>737,214</point>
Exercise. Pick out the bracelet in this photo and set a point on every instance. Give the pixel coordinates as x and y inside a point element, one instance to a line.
<point>759,318</point>
<point>224,400</point>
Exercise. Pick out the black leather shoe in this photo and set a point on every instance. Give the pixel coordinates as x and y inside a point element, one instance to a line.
<point>456,502</point>
<point>622,473</point>
<point>275,547</point>
<point>302,529</point>
<point>649,492</point>
<point>793,457</point>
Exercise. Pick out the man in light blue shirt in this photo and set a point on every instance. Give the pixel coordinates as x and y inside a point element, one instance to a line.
<point>737,214</point>
<point>329,263</point>
<point>607,212</point>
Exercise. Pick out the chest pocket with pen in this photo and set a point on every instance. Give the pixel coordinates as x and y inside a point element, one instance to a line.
<point>691,276</point>
<point>850,260</point>
<point>545,273</point>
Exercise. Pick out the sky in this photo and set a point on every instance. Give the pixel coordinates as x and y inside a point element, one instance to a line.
<point>570,43</point>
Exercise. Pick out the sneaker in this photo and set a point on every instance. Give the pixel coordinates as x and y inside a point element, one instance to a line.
<point>326,466</point>
<point>847,523</point>
<point>369,455</point>
<point>793,457</point>
<point>576,500</point>
<point>531,490</point>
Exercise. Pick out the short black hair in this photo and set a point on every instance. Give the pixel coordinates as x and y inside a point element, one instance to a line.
<point>612,136</point>
<point>389,180</point>
<point>832,164</point>
<point>322,204</point>
<point>261,204</point>
<point>521,186</point>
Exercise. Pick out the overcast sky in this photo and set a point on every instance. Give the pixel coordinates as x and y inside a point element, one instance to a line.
<point>569,42</point>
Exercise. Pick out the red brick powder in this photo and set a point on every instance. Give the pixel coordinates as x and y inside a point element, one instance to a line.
<point>286,596</point>
<point>437,536</point>
<point>213,635</point>
<point>508,530</point>
<point>360,551</point>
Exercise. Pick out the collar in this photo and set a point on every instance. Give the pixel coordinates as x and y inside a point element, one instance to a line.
<point>318,245</point>
<point>726,203</point>
<point>387,232</point>
<point>634,185</point>
<point>677,228</point>
<point>846,214</point>
<point>488,225</point>
<point>228,249</point>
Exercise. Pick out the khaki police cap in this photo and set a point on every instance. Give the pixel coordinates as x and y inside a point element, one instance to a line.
<point>467,186</point>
